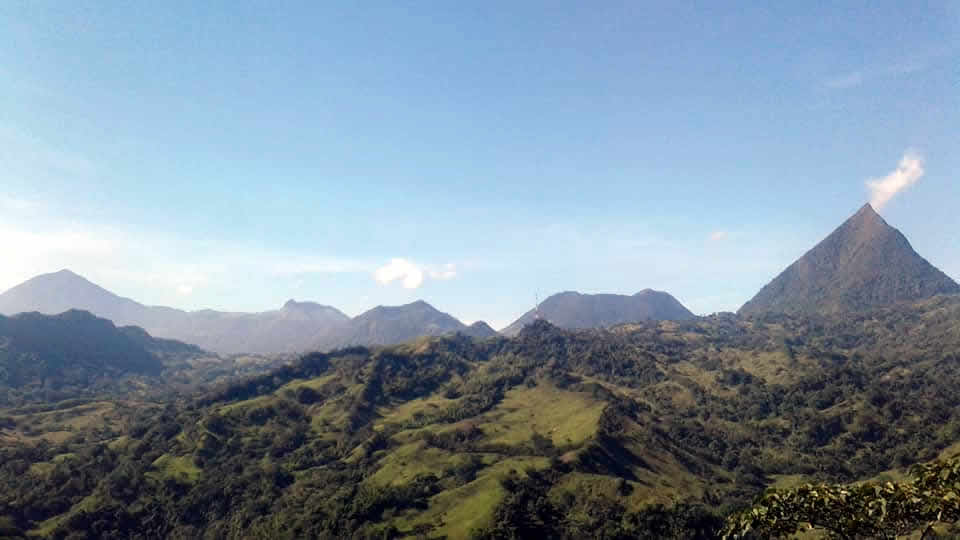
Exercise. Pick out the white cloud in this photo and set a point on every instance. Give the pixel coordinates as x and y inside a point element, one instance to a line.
<point>410,274</point>
<point>719,236</point>
<point>164,269</point>
<point>908,173</point>
<point>400,269</point>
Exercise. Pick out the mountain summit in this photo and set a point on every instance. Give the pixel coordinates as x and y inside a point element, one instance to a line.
<point>397,324</point>
<point>575,310</point>
<point>865,263</point>
<point>64,290</point>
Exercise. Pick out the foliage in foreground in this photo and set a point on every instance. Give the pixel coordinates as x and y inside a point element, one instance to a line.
<point>869,510</point>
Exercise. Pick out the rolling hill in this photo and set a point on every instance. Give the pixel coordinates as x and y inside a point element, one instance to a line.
<point>574,310</point>
<point>864,263</point>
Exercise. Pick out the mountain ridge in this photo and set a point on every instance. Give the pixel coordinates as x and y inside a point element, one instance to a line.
<point>383,325</point>
<point>572,310</point>
<point>54,350</point>
<point>298,326</point>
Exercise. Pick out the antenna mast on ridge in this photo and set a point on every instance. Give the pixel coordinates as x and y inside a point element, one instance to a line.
<point>536,309</point>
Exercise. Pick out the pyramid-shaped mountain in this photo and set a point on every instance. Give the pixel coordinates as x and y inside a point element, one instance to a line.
<point>62,291</point>
<point>575,310</point>
<point>865,263</point>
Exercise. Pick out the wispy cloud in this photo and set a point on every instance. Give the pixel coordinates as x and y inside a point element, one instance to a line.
<point>15,204</point>
<point>446,271</point>
<point>293,265</point>
<point>22,153</point>
<point>410,274</point>
<point>161,268</point>
<point>719,236</point>
<point>848,80</point>
<point>182,278</point>
<point>899,68</point>
<point>34,249</point>
<point>908,172</point>
<point>65,241</point>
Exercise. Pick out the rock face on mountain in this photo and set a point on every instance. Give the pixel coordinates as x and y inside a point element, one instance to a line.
<point>575,310</point>
<point>865,263</point>
<point>296,327</point>
<point>396,324</point>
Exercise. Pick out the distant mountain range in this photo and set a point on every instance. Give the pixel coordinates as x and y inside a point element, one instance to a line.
<point>863,264</point>
<point>304,326</point>
<point>574,310</point>
<point>296,327</point>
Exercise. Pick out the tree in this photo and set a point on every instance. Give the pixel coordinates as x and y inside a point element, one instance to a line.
<point>869,510</point>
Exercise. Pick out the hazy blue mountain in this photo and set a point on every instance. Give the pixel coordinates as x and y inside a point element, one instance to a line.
<point>479,330</point>
<point>396,324</point>
<point>62,291</point>
<point>297,326</point>
<point>864,263</point>
<point>575,310</point>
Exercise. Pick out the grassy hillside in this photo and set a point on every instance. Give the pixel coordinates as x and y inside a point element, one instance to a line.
<point>652,429</point>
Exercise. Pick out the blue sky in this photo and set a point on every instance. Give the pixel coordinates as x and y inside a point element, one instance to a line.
<point>232,156</point>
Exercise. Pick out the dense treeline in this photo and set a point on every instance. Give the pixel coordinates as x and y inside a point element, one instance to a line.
<point>529,512</point>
